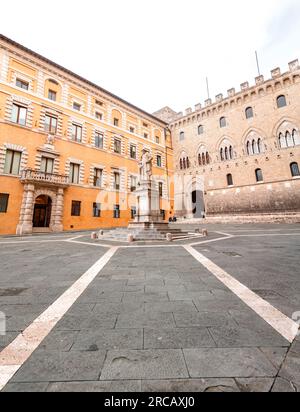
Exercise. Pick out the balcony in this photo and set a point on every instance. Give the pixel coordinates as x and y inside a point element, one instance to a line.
<point>42,178</point>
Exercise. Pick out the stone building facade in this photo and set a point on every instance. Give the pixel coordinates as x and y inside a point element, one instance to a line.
<point>240,155</point>
<point>70,150</point>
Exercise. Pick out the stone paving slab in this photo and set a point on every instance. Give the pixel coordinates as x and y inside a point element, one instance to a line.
<point>103,386</point>
<point>145,320</point>
<point>233,362</point>
<point>177,338</point>
<point>105,339</point>
<point>53,366</point>
<point>145,364</point>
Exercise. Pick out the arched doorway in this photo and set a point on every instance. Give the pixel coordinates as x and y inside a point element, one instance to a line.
<point>42,212</point>
<point>198,204</point>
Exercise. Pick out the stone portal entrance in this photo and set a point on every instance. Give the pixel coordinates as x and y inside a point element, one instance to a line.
<point>42,212</point>
<point>198,204</point>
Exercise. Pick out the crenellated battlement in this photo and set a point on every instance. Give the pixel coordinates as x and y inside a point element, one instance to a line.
<point>234,97</point>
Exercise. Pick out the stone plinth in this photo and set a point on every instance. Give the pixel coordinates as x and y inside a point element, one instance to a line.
<point>147,200</point>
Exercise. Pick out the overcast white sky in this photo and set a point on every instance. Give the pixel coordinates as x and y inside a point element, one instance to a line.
<point>159,52</point>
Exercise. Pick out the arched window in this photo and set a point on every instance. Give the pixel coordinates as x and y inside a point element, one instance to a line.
<point>249,149</point>
<point>259,175</point>
<point>281,101</point>
<point>289,140</point>
<point>207,158</point>
<point>199,159</point>
<point>249,113</point>
<point>230,153</point>
<point>203,159</point>
<point>181,136</point>
<point>187,162</point>
<point>295,169</point>
<point>282,141</point>
<point>226,153</point>
<point>223,122</point>
<point>200,129</point>
<point>229,180</point>
<point>181,165</point>
<point>184,164</point>
<point>222,154</point>
<point>296,137</point>
<point>260,146</point>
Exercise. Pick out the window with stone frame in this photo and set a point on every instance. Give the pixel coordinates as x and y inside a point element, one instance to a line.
<point>19,114</point>
<point>74,176</point>
<point>52,95</point>
<point>22,84</point>
<point>229,180</point>
<point>98,173</point>
<point>99,140</point>
<point>12,162</point>
<point>249,113</point>
<point>295,169</point>
<point>159,161</point>
<point>47,164</point>
<point>117,180</point>
<point>117,146</point>
<point>133,212</point>
<point>281,101</point>
<point>160,189</point>
<point>133,183</point>
<point>259,175</point>
<point>50,124</point>
<point>76,133</point>
<point>133,153</point>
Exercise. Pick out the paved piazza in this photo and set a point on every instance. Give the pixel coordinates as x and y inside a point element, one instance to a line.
<point>217,315</point>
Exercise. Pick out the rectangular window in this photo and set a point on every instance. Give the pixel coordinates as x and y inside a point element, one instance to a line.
<point>3,202</point>
<point>157,139</point>
<point>131,129</point>
<point>133,212</point>
<point>116,181</point>
<point>117,146</point>
<point>163,214</point>
<point>116,122</point>
<point>22,84</point>
<point>50,124</point>
<point>158,160</point>
<point>181,136</point>
<point>96,210</point>
<point>98,116</point>
<point>145,125</point>
<point>99,140</point>
<point>117,213</point>
<point>47,165</point>
<point>76,133</point>
<point>97,177</point>
<point>74,173</point>
<point>133,151</point>
<point>146,135</point>
<point>19,114</point>
<point>76,208</point>
<point>12,162</point>
<point>133,183</point>
<point>76,106</point>
<point>160,189</point>
<point>52,95</point>
<point>99,103</point>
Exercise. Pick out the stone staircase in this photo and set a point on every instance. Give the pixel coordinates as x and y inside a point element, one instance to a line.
<point>121,234</point>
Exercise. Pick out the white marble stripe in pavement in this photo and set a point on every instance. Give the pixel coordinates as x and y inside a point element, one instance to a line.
<point>280,322</point>
<point>18,352</point>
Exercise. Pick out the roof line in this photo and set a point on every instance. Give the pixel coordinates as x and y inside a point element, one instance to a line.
<point>82,79</point>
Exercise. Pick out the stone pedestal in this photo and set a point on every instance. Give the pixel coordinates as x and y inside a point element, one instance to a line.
<point>148,210</point>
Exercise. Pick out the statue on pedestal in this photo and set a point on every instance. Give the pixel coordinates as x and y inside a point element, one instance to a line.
<point>145,166</point>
